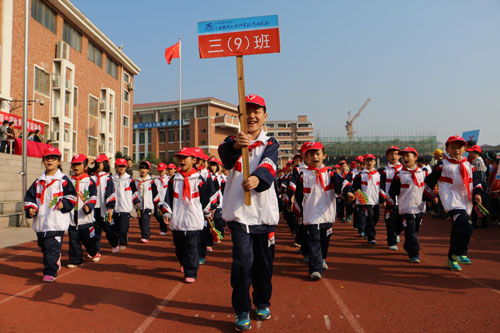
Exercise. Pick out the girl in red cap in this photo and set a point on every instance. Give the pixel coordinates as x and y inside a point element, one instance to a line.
<point>49,201</point>
<point>161,183</point>
<point>148,196</point>
<point>459,185</point>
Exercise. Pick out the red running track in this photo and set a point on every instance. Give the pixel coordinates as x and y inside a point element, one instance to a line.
<point>366,288</point>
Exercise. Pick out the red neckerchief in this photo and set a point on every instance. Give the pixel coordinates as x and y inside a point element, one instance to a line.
<point>463,173</point>
<point>370,173</point>
<point>319,177</point>
<point>201,167</point>
<point>345,174</point>
<point>413,175</point>
<point>78,178</point>
<point>186,188</point>
<point>44,187</point>
<point>99,178</point>
<point>397,167</point>
<point>254,145</point>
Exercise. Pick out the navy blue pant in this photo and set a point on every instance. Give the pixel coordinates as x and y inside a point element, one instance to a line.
<point>318,238</point>
<point>356,217</point>
<point>367,218</point>
<point>159,218</point>
<point>144,223</point>
<point>50,242</point>
<point>393,225</point>
<point>220,224</point>
<point>411,224</point>
<point>120,227</point>
<point>83,235</point>
<point>301,239</point>
<point>100,225</point>
<point>340,208</point>
<point>186,250</point>
<point>461,231</point>
<point>291,221</point>
<point>253,256</point>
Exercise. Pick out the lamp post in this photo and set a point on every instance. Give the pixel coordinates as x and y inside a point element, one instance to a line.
<point>24,171</point>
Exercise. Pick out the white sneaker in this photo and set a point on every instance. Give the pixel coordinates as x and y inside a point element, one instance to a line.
<point>115,249</point>
<point>162,233</point>
<point>122,247</point>
<point>97,257</point>
<point>398,239</point>
<point>73,265</point>
<point>393,247</point>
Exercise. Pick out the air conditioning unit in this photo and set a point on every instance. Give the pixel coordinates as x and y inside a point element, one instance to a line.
<point>62,50</point>
<point>102,106</point>
<point>130,86</point>
<point>54,135</point>
<point>56,83</point>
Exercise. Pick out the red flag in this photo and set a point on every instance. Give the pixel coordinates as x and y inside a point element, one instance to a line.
<point>172,52</point>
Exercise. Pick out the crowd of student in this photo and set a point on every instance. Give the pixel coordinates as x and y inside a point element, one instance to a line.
<point>200,197</point>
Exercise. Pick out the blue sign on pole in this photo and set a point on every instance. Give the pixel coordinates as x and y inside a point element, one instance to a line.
<point>471,135</point>
<point>156,124</point>
<point>238,24</point>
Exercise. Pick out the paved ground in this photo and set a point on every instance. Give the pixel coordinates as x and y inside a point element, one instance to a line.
<point>367,288</point>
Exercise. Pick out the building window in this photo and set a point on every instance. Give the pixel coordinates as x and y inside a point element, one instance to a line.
<point>75,97</point>
<point>146,118</point>
<point>149,136</point>
<point>203,130</point>
<point>304,125</point>
<point>92,146</point>
<point>72,36</point>
<point>187,114</point>
<point>162,156</point>
<point>93,106</point>
<point>126,95</point>
<point>270,133</point>
<point>44,14</point>
<point>281,125</point>
<point>126,77</point>
<point>270,125</point>
<point>162,134</point>
<point>187,133</point>
<point>95,55</point>
<point>125,121</point>
<point>171,135</point>
<point>283,134</point>
<point>142,137</point>
<point>203,112</point>
<point>203,142</point>
<point>112,68</point>
<point>166,116</point>
<point>42,81</point>
<point>74,143</point>
<point>125,151</point>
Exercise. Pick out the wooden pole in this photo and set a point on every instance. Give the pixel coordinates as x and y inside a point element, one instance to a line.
<point>243,123</point>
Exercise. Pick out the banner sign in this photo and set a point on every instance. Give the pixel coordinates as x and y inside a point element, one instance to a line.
<point>18,122</point>
<point>158,124</point>
<point>471,135</point>
<point>240,36</point>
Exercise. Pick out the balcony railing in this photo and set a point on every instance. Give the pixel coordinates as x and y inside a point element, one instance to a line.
<point>227,122</point>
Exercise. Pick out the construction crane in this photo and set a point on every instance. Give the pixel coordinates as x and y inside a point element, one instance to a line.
<point>348,124</point>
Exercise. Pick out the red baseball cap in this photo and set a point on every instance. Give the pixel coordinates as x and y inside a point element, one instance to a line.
<point>353,164</point>
<point>391,148</point>
<point>360,159</point>
<point>121,162</point>
<point>302,148</point>
<point>161,166</point>
<point>367,156</point>
<point>455,138</point>
<point>171,166</point>
<point>78,158</point>
<point>147,163</point>
<point>199,153</point>
<point>256,99</point>
<point>50,151</point>
<point>101,158</point>
<point>187,151</point>
<point>410,150</point>
<point>313,146</point>
<point>342,162</point>
<point>337,166</point>
<point>475,148</point>
<point>289,162</point>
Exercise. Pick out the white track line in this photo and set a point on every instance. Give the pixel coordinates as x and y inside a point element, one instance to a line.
<point>37,286</point>
<point>144,326</point>
<point>467,277</point>
<point>345,310</point>
<point>15,255</point>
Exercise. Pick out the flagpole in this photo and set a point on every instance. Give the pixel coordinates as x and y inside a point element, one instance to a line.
<point>180,95</point>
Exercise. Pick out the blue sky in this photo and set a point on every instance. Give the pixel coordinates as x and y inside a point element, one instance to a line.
<point>427,64</point>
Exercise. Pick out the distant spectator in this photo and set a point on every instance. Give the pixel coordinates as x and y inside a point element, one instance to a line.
<point>11,135</point>
<point>3,135</point>
<point>130,165</point>
<point>49,142</point>
<point>36,137</point>
<point>31,136</point>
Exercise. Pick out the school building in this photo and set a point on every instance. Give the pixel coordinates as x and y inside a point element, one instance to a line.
<point>205,123</point>
<point>80,84</point>
<point>291,134</point>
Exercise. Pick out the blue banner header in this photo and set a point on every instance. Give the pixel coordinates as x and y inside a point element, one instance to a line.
<point>238,24</point>
<point>158,124</point>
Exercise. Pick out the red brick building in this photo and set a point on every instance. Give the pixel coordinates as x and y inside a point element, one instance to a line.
<point>85,82</point>
<point>206,122</point>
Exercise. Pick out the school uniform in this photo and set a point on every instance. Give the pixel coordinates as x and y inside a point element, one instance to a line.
<point>186,203</point>
<point>457,183</point>
<point>219,223</point>
<point>315,201</point>
<point>148,196</point>
<point>81,228</point>
<point>296,224</point>
<point>392,220</point>
<point>161,183</point>
<point>407,189</point>
<point>367,214</point>
<point>252,227</point>
<point>205,236</point>
<point>106,199</point>
<point>126,198</point>
<point>50,223</point>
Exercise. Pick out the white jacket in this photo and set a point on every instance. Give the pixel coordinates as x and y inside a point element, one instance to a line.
<point>125,192</point>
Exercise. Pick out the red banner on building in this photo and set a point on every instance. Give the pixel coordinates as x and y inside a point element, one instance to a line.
<point>18,122</point>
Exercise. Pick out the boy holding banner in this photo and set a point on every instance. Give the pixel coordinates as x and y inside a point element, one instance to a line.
<point>252,227</point>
